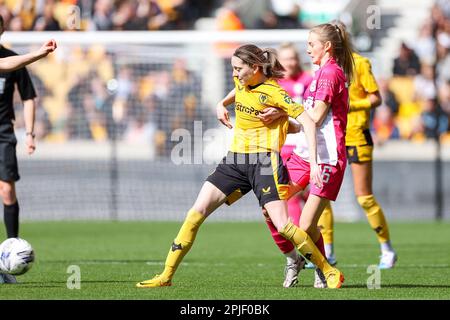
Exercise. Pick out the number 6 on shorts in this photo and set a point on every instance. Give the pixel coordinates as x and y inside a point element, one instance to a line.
<point>326,170</point>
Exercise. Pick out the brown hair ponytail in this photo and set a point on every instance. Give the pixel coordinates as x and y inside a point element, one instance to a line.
<point>264,58</point>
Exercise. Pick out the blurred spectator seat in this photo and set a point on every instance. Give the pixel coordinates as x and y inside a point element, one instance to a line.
<point>403,89</point>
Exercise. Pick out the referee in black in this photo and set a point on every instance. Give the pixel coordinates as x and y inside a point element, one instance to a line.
<point>8,161</point>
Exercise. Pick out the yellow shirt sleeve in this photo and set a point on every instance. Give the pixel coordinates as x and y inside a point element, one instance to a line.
<point>366,77</point>
<point>295,110</point>
<point>282,100</point>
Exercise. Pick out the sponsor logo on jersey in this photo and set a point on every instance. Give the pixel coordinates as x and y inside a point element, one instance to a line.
<point>325,83</point>
<point>308,104</point>
<point>266,191</point>
<point>312,86</point>
<point>262,98</point>
<point>248,110</point>
<point>287,99</point>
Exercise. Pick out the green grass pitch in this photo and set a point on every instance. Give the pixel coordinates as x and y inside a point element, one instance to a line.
<point>228,261</point>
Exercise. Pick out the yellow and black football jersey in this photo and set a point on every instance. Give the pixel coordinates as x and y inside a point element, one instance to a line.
<point>358,120</point>
<point>250,133</point>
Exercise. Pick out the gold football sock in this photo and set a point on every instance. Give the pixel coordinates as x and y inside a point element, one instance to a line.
<point>305,245</point>
<point>375,216</point>
<point>182,242</point>
<point>325,224</point>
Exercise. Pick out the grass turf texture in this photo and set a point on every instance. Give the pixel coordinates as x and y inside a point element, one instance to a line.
<point>227,261</point>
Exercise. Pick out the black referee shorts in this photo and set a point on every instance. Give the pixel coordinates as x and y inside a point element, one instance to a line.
<point>264,173</point>
<point>8,160</point>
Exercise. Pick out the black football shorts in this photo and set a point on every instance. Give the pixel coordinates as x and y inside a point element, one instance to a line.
<point>264,173</point>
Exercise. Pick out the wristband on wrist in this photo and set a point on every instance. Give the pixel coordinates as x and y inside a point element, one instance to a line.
<point>30,134</point>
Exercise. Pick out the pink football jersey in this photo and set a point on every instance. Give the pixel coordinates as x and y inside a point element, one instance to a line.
<point>329,85</point>
<point>295,87</point>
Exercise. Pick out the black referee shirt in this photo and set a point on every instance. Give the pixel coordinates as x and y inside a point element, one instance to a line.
<point>7,82</point>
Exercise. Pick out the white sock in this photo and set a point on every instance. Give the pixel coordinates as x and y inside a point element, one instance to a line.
<point>329,249</point>
<point>291,256</point>
<point>386,246</point>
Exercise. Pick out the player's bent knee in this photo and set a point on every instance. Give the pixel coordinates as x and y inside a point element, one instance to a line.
<point>7,193</point>
<point>8,197</point>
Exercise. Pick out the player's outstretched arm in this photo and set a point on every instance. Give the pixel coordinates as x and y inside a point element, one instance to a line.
<point>12,63</point>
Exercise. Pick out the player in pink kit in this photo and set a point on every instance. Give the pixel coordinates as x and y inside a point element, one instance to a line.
<point>326,101</point>
<point>295,82</point>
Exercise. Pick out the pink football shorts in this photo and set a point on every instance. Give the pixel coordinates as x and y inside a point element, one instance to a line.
<point>332,176</point>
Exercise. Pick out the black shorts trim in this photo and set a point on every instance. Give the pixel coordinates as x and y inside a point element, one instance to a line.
<point>352,154</point>
<point>359,154</point>
<point>368,137</point>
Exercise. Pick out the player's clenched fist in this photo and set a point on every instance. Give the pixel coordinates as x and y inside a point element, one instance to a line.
<point>48,47</point>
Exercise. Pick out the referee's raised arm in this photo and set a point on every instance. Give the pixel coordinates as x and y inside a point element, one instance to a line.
<point>12,63</point>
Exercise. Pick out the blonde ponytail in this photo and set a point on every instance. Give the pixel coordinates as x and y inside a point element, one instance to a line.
<point>341,45</point>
